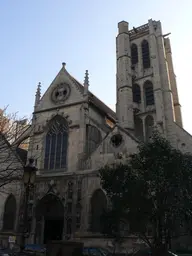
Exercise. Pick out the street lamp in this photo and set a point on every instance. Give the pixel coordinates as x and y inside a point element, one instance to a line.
<point>29,177</point>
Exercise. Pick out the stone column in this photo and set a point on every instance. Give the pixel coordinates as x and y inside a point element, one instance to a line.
<point>124,78</point>
<point>157,83</point>
<point>165,81</point>
<point>85,201</point>
<point>172,77</point>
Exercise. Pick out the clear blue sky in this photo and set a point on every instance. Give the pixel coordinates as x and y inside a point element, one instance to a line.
<point>37,36</point>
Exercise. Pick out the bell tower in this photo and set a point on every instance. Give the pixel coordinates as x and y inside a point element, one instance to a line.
<point>146,85</point>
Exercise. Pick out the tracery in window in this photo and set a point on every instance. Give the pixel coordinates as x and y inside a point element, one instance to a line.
<point>56,144</point>
<point>9,213</point>
<point>136,93</point>
<point>149,94</point>
<point>145,54</point>
<point>93,138</point>
<point>134,54</point>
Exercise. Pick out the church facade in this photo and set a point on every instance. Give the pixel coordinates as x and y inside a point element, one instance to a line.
<point>73,133</point>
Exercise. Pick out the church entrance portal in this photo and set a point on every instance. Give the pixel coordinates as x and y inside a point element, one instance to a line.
<point>50,216</point>
<point>53,229</point>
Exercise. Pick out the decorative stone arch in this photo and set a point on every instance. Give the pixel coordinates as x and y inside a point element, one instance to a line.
<point>50,201</point>
<point>56,143</point>
<point>9,216</point>
<point>98,205</point>
<point>149,126</point>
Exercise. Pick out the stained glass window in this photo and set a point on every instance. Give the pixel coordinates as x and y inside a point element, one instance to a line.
<point>56,144</point>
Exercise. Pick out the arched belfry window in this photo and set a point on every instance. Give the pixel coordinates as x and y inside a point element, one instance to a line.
<point>56,144</point>
<point>9,213</point>
<point>149,94</point>
<point>136,93</point>
<point>149,125</point>
<point>138,125</point>
<point>145,54</point>
<point>134,54</point>
<point>93,138</point>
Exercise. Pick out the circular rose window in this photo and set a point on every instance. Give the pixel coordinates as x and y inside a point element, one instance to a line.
<point>60,93</point>
<point>116,140</point>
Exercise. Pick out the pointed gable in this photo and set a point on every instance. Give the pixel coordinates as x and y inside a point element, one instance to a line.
<point>74,94</point>
<point>118,142</point>
<point>62,91</point>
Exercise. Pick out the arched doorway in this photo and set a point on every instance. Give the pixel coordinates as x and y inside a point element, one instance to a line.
<point>50,216</point>
<point>9,213</point>
<point>98,207</point>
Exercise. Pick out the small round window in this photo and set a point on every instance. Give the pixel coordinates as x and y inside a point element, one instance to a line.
<point>60,93</point>
<point>116,140</point>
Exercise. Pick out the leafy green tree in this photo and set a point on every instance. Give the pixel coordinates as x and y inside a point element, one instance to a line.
<point>153,189</point>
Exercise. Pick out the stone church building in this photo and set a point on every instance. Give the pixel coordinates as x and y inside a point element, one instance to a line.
<point>73,133</point>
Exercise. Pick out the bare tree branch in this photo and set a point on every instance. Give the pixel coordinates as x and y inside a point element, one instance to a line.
<point>11,165</point>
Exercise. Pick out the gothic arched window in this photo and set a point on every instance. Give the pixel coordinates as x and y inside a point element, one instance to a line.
<point>149,123</point>
<point>93,138</point>
<point>138,124</point>
<point>56,144</point>
<point>149,95</point>
<point>134,54</point>
<point>9,213</point>
<point>98,207</point>
<point>145,54</point>
<point>136,93</point>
